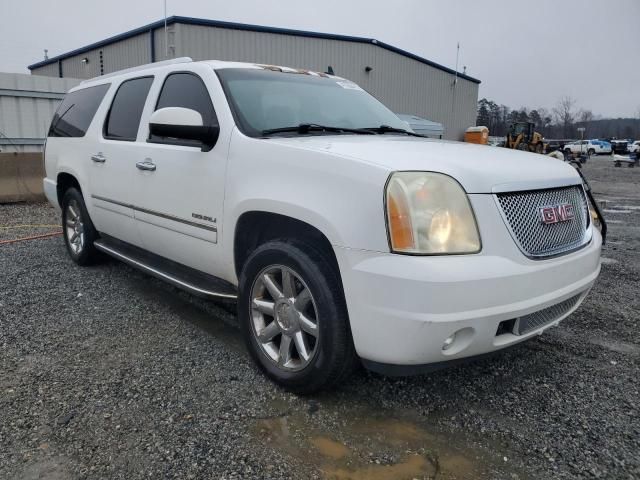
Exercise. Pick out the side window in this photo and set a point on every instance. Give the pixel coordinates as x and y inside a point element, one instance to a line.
<point>186,90</point>
<point>124,115</point>
<point>75,113</point>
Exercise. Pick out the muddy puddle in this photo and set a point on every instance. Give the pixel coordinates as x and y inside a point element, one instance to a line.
<point>361,444</point>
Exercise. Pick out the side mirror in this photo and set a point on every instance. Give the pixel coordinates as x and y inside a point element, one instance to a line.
<point>183,124</point>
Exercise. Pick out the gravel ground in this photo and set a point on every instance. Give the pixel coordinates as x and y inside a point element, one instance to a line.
<point>108,373</point>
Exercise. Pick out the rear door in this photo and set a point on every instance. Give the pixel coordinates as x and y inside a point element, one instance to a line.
<point>71,136</point>
<point>113,161</point>
<point>178,194</point>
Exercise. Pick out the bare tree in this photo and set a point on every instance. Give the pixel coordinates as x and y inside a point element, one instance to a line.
<point>585,116</point>
<point>565,115</point>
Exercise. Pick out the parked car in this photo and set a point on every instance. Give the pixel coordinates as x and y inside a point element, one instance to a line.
<point>342,236</point>
<point>634,147</point>
<point>620,146</point>
<point>606,147</point>
<point>422,126</point>
<point>589,147</point>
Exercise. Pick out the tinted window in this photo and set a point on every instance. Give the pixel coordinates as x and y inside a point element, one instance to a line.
<point>75,113</point>
<point>124,117</point>
<point>188,91</point>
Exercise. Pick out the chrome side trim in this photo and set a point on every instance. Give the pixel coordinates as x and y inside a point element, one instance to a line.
<point>157,273</point>
<point>157,214</point>
<point>108,200</point>
<point>113,210</point>
<point>142,220</point>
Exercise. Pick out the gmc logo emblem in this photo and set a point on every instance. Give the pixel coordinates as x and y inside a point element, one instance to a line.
<point>556,213</point>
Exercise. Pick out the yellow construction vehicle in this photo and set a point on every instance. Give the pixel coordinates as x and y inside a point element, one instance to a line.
<point>522,136</point>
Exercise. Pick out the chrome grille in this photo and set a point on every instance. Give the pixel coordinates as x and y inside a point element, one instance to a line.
<point>521,211</point>
<point>535,320</point>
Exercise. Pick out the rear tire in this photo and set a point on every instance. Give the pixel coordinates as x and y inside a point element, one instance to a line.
<point>78,230</point>
<point>591,151</point>
<point>293,316</point>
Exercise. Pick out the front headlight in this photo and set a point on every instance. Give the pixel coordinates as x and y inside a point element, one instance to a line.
<point>429,213</point>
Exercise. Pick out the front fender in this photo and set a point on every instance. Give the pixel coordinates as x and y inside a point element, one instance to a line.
<point>341,197</point>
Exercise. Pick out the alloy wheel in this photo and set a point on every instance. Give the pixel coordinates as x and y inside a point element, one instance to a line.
<point>284,318</point>
<point>74,227</point>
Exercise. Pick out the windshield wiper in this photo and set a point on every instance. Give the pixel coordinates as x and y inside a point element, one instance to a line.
<point>382,129</point>
<point>304,128</point>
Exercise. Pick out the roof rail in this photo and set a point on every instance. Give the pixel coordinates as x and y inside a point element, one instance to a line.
<point>171,61</point>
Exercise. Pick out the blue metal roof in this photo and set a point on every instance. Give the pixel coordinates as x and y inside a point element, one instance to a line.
<point>251,28</point>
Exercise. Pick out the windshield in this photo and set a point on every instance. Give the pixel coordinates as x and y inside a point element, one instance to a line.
<point>264,100</point>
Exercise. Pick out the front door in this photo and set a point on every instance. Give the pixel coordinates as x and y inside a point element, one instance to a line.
<point>179,189</point>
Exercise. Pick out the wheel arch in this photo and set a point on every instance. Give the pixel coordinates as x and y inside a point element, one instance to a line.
<point>255,227</point>
<point>64,181</point>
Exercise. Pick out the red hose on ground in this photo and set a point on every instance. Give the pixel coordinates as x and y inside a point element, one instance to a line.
<point>35,237</point>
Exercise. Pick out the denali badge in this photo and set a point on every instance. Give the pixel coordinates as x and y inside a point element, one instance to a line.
<point>206,218</point>
<point>556,213</point>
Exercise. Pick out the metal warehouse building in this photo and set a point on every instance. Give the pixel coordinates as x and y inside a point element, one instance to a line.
<point>405,82</point>
<point>27,104</point>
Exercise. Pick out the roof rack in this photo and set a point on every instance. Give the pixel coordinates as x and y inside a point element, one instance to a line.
<point>171,61</point>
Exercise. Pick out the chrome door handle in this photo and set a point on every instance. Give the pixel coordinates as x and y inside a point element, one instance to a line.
<point>98,158</point>
<point>146,165</point>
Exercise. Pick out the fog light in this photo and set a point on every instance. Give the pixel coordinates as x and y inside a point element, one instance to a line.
<point>448,342</point>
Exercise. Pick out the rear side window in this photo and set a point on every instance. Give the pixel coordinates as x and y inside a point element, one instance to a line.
<point>75,113</point>
<point>123,119</point>
<point>186,90</point>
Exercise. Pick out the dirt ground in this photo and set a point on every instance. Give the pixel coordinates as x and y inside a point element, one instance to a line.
<point>108,373</point>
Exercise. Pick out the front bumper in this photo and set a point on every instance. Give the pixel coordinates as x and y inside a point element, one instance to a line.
<point>402,308</point>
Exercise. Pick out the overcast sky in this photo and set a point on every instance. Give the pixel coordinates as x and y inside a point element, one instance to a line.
<point>526,53</point>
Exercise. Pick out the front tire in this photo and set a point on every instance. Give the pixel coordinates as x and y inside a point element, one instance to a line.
<point>591,152</point>
<point>78,230</point>
<point>294,318</point>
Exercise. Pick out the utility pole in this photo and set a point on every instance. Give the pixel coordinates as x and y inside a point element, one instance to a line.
<point>166,34</point>
<point>581,130</point>
<point>454,86</point>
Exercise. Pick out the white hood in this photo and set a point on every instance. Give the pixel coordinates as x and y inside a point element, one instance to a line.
<point>478,168</point>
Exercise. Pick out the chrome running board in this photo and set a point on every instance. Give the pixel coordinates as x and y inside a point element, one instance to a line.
<point>178,275</point>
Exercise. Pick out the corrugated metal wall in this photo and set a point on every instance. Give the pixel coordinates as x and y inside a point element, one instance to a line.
<point>27,104</point>
<point>403,84</point>
<point>110,58</point>
<point>50,70</point>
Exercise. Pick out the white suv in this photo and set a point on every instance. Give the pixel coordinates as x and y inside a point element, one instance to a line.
<point>590,147</point>
<point>344,237</point>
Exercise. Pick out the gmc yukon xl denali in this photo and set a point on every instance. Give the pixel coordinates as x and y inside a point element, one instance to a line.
<point>344,237</point>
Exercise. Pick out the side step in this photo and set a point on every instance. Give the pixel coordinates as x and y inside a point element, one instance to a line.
<point>181,276</point>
